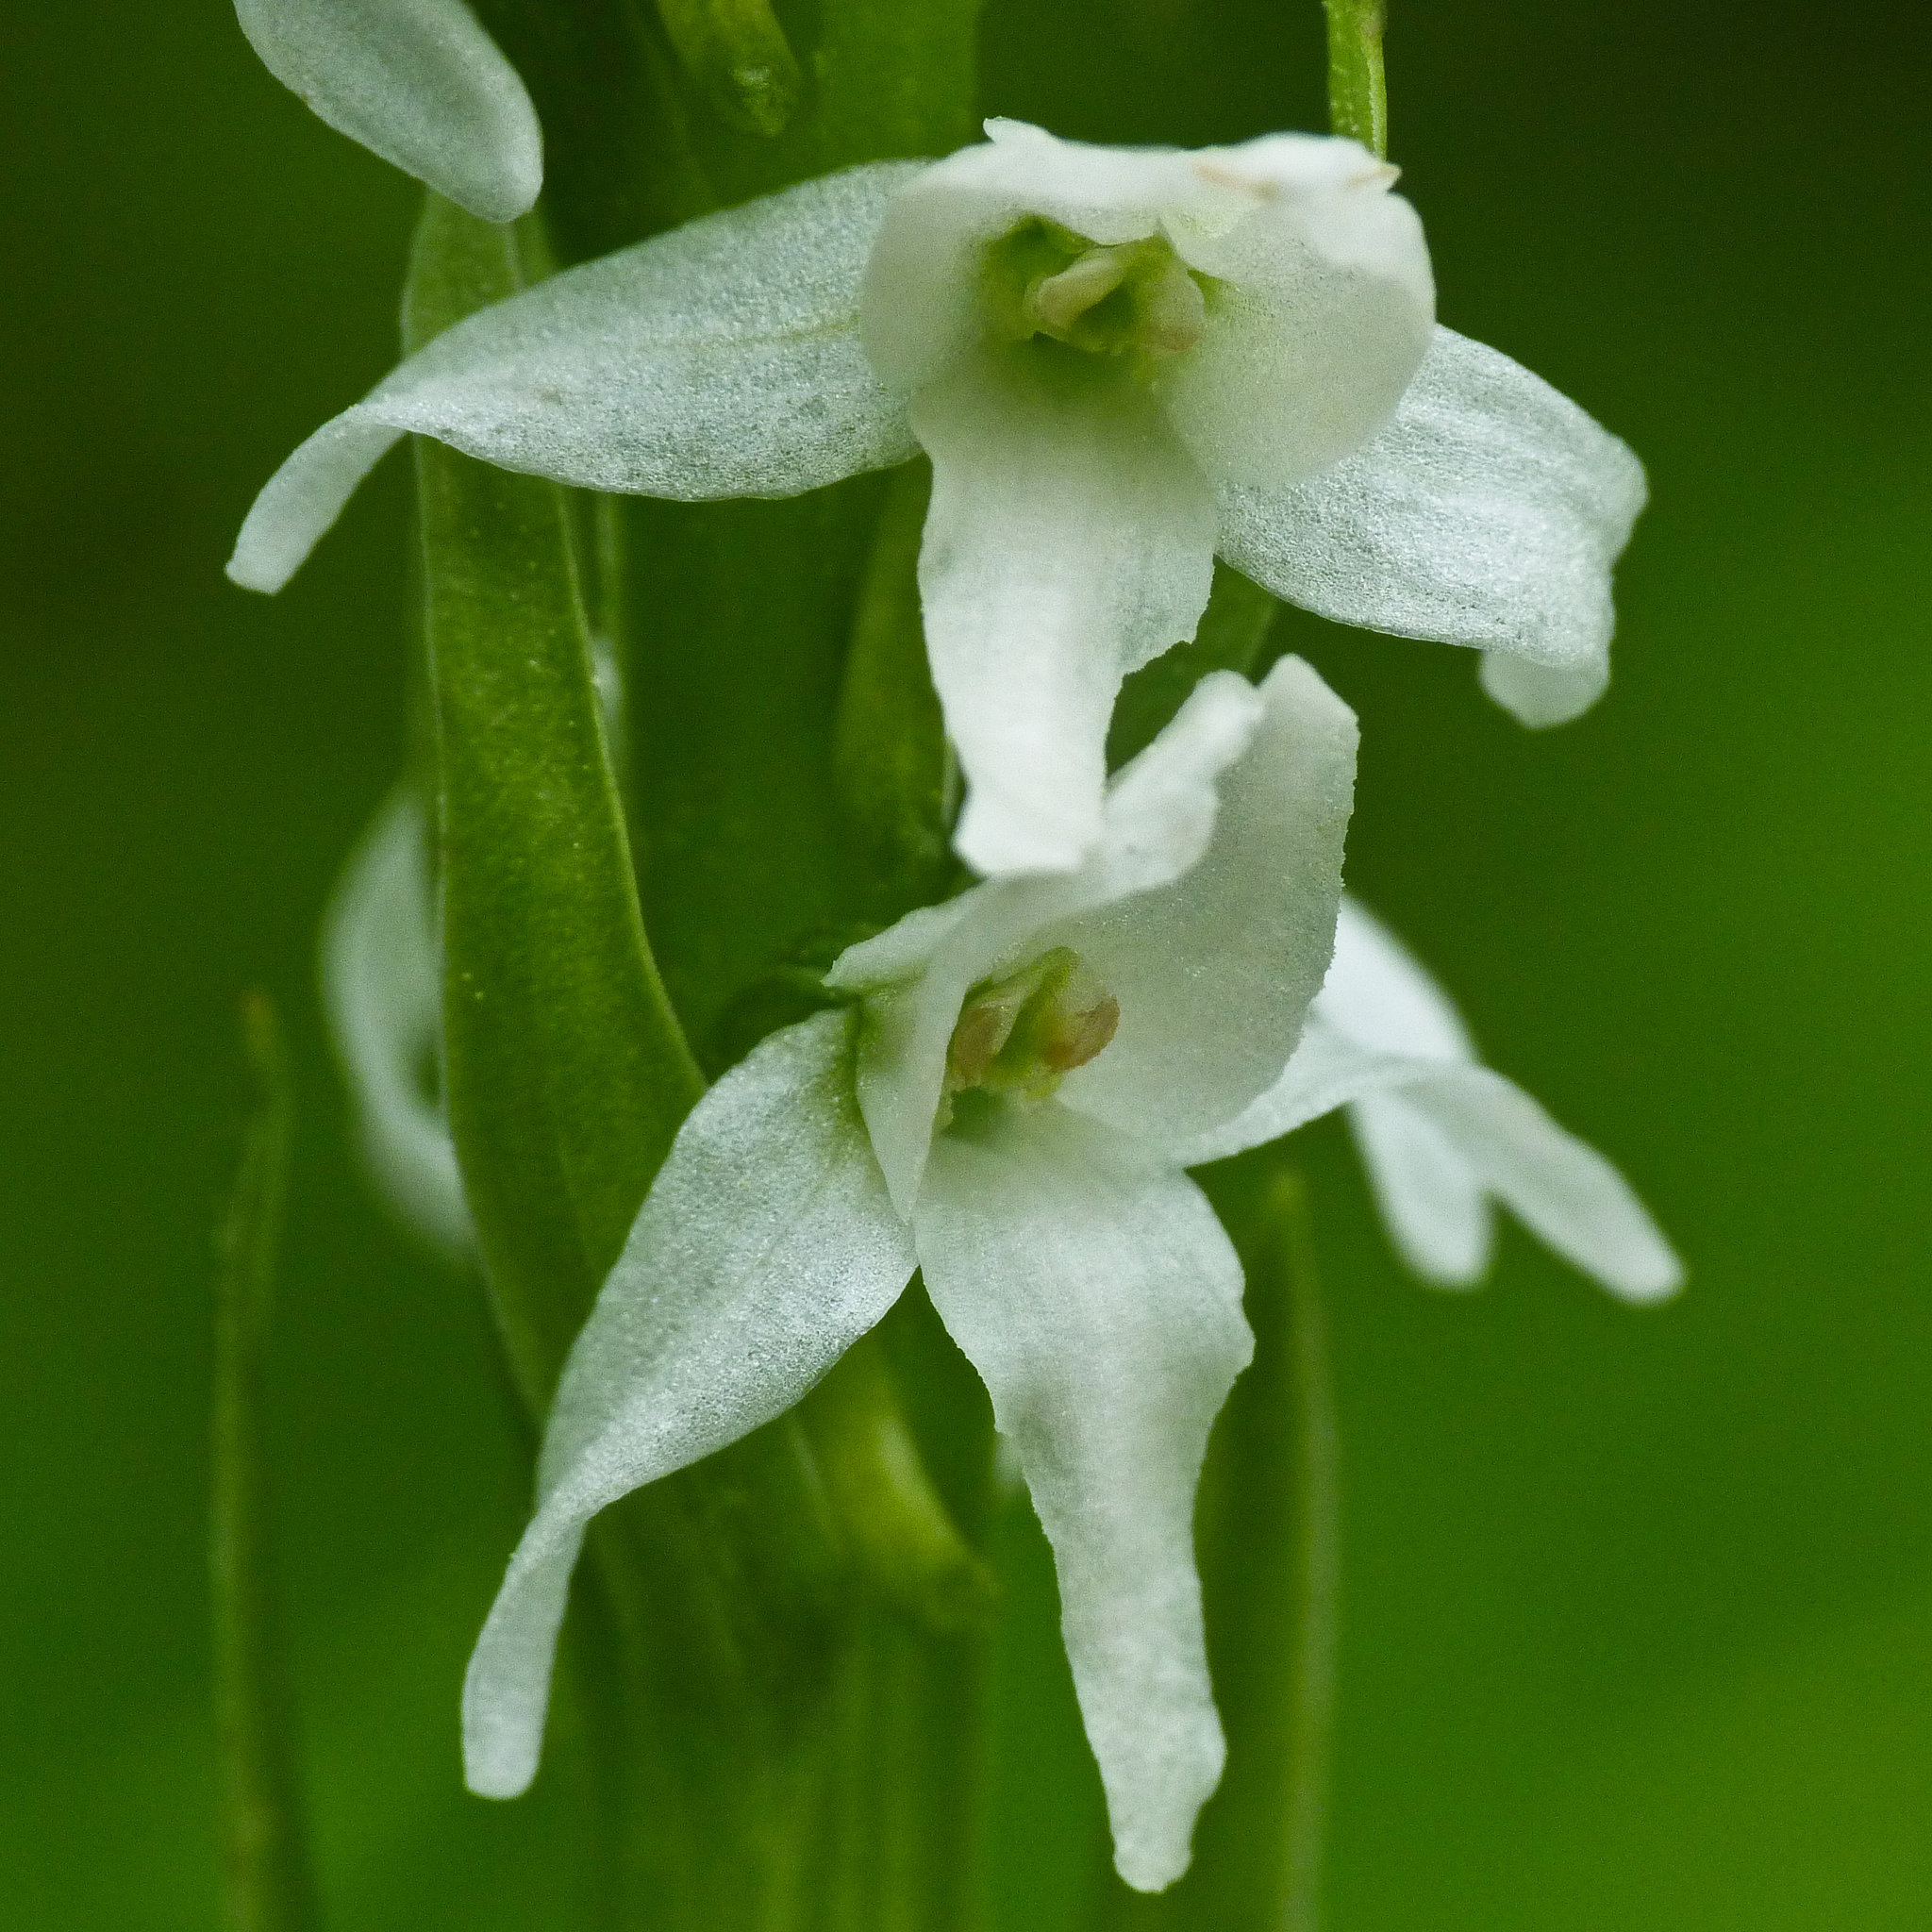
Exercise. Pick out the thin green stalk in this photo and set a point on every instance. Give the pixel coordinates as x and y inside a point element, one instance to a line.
<point>1358,91</point>
<point>1318,1554</point>
<point>894,771</point>
<point>737,52</point>
<point>267,1884</point>
<point>899,1848</point>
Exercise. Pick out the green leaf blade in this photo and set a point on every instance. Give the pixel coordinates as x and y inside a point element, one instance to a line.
<point>567,1074</point>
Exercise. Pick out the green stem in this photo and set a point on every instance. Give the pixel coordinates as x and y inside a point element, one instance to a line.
<point>1318,1553</point>
<point>899,1848</point>
<point>737,52</point>
<point>1358,91</point>
<point>893,769</point>
<point>267,1882</point>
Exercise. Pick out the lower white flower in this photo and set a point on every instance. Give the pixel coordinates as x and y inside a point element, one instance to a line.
<point>1120,361</point>
<point>1004,1107</point>
<point>1442,1135</point>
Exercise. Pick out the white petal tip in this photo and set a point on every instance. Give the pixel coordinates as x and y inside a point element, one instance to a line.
<point>1451,1281</point>
<point>252,572</point>
<point>510,187</point>
<point>1662,1281</point>
<point>1541,696</point>
<point>1150,1878</point>
<point>501,203</point>
<point>999,844</point>
<point>502,1748</point>
<point>491,1780</point>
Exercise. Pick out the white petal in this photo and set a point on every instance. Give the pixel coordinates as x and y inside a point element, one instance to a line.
<point>1488,512</point>
<point>1381,997</point>
<point>1159,815</point>
<point>1070,540</point>
<point>1562,1188</point>
<point>417,81</point>
<point>1100,1301</point>
<point>1543,695</point>
<point>766,1248</point>
<point>1215,971</point>
<point>1320,317</point>
<point>382,984</point>
<point>1557,1186</point>
<point>1434,1206</point>
<point>1329,1070</point>
<point>721,360</point>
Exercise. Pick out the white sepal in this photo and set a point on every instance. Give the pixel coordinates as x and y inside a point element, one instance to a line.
<point>766,1248</point>
<point>1158,817</point>
<point>1436,1208</point>
<point>1435,1126</point>
<point>418,82</point>
<point>1562,1188</point>
<point>1215,971</point>
<point>721,360</point>
<point>1488,512</point>
<point>1539,695</point>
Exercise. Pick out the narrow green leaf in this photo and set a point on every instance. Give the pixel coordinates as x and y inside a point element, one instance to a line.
<point>739,56</point>
<point>1268,1532</point>
<point>267,1882</point>
<point>1358,91</point>
<point>567,1074</point>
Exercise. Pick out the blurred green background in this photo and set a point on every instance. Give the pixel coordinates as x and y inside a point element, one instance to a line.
<point>1638,1618</point>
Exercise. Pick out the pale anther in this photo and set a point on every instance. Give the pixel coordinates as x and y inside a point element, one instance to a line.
<point>1020,1035</point>
<point>1111,300</point>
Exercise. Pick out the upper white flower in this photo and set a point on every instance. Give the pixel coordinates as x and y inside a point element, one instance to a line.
<point>417,81</point>
<point>1120,362</point>
<point>1002,1108</point>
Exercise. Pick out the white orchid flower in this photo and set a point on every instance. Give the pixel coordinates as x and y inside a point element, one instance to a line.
<point>1442,1135</point>
<point>419,82</point>
<point>1001,1109</point>
<point>1120,361</point>
<point>382,986</point>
